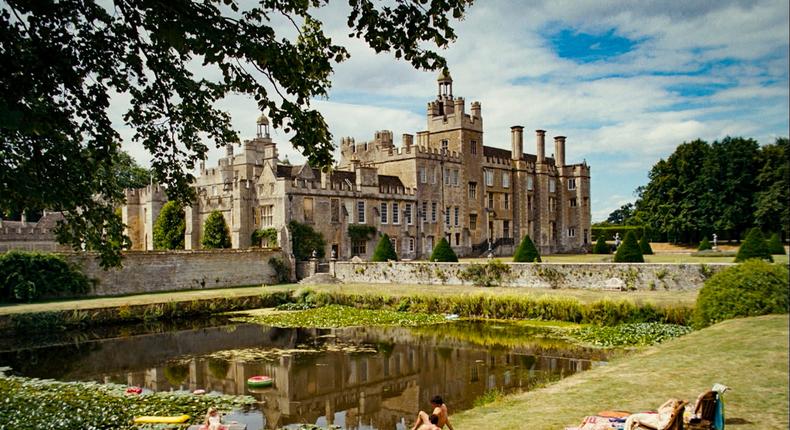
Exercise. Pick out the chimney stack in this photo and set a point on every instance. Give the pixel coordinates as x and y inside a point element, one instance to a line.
<point>541,143</point>
<point>559,151</point>
<point>517,141</point>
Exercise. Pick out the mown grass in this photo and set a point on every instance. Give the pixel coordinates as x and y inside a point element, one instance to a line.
<point>749,355</point>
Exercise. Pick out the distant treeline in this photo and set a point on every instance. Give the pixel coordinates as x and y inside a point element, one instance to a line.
<point>725,187</point>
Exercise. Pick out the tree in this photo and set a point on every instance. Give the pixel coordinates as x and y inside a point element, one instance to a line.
<point>61,63</point>
<point>601,247</point>
<point>775,246</point>
<point>169,227</point>
<point>384,250</point>
<point>644,245</point>
<point>622,215</point>
<point>704,245</point>
<point>754,246</point>
<point>629,251</point>
<point>215,232</point>
<point>771,211</point>
<point>443,253</point>
<point>526,252</point>
<point>129,173</point>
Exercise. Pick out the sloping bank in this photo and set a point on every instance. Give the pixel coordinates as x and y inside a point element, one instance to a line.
<point>750,355</point>
<point>520,306</point>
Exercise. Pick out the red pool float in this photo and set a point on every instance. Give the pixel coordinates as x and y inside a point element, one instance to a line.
<point>260,381</point>
<point>134,390</point>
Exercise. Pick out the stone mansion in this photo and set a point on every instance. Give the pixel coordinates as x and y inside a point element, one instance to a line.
<point>441,182</point>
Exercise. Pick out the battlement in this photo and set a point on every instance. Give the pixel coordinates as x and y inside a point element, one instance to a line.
<point>448,112</point>
<point>151,192</point>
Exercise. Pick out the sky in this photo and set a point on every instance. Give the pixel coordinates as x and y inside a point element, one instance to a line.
<point>625,81</point>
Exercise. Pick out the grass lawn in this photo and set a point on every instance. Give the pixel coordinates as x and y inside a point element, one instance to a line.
<point>750,355</point>
<point>583,295</point>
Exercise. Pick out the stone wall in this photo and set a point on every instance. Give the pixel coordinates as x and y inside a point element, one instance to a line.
<point>621,276</point>
<point>155,271</point>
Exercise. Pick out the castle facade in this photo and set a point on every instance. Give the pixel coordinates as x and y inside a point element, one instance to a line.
<point>443,182</point>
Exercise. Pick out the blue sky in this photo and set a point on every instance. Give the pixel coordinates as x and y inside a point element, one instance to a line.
<point>625,81</point>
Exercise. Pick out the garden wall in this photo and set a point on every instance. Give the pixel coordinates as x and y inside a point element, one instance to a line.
<point>620,276</point>
<point>154,271</point>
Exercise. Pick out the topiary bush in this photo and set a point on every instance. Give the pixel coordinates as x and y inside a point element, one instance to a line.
<point>754,246</point>
<point>775,246</point>
<point>305,240</point>
<point>526,252</point>
<point>443,253</point>
<point>216,234</point>
<point>384,250</point>
<point>704,245</point>
<point>629,251</point>
<point>169,227</point>
<point>27,276</point>
<point>644,246</point>
<point>749,289</point>
<point>601,247</point>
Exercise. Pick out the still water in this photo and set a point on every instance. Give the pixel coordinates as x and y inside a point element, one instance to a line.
<point>370,378</point>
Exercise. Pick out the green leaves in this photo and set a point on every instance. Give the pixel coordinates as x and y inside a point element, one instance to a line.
<point>61,62</point>
<point>384,250</point>
<point>526,252</point>
<point>634,334</point>
<point>45,404</point>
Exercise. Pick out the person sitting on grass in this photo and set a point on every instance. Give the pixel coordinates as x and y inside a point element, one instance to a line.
<point>432,424</point>
<point>440,410</point>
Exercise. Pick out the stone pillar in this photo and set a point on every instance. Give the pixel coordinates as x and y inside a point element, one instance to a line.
<point>559,151</point>
<point>476,110</point>
<point>541,145</point>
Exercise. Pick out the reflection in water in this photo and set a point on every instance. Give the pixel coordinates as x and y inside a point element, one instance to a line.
<point>358,378</point>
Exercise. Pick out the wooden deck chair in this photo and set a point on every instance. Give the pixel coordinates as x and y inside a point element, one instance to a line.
<point>675,419</point>
<point>704,411</point>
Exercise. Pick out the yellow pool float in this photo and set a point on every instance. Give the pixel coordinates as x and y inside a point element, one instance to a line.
<point>162,420</point>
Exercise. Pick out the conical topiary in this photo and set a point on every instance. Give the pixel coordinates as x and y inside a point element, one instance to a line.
<point>775,246</point>
<point>443,253</point>
<point>754,246</point>
<point>704,245</point>
<point>644,245</point>
<point>384,250</point>
<point>629,251</point>
<point>215,232</point>
<point>601,247</point>
<point>526,252</point>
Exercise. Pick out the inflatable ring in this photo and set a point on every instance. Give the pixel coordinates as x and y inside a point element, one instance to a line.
<point>260,381</point>
<point>199,392</point>
<point>134,390</point>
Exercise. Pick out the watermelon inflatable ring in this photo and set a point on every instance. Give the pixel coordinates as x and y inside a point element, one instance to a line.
<point>134,390</point>
<point>260,381</point>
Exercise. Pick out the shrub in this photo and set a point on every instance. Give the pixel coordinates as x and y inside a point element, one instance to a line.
<point>384,250</point>
<point>775,246</point>
<point>485,275</point>
<point>749,289</point>
<point>268,234</point>
<point>215,232</point>
<point>282,272</point>
<point>704,245</point>
<point>629,251</point>
<point>26,276</point>
<point>169,227</point>
<point>601,247</point>
<point>754,246</point>
<point>361,232</point>
<point>305,240</point>
<point>644,246</point>
<point>526,252</point>
<point>442,252</point>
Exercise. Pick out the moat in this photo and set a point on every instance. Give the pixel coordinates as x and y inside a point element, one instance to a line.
<point>373,378</point>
